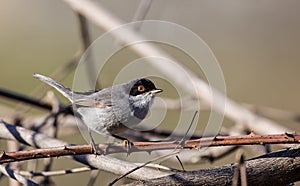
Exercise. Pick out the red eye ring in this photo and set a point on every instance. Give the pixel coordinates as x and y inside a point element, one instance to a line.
<point>141,88</point>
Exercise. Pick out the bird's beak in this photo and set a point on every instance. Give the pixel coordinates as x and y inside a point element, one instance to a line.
<point>156,91</point>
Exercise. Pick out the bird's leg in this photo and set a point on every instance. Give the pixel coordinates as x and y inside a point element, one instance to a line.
<point>128,144</point>
<point>95,147</point>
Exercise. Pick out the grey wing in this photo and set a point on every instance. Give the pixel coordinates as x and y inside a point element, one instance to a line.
<point>99,99</point>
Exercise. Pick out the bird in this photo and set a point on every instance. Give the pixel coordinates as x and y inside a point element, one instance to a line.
<point>112,110</point>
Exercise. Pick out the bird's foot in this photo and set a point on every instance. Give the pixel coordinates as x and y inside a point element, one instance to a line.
<point>128,144</point>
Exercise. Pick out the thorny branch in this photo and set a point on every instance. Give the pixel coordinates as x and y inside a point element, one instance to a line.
<point>238,113</point>
<point>105,163</point>
<point>251,139</point>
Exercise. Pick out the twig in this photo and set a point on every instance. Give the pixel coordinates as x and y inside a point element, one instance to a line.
<point>160,167</point>
<point>174,152</point>
<point>139,15</point>
<point>6,157</point>
<point>243,172</point>
<point>55,104</point>
<point>24,98</point>
<point>274,113</point>
<point>13,146</point>
<point>143,165</point>
<point>142,10</point>
<point>180,162</point>
<point>105,163</point>
<point>54,173</point>
<point>188,129</point>
<point>32,101</point>
<point>86,40</point>
<point>10,173</point>
<point>117,166</point>
<point>212,157</point>
<point>184,138</point>
<point>93,177</point>
<point>239,176</point>
<point>284,164</point>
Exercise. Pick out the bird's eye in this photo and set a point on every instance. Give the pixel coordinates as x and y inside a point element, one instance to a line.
<point>141,88</point>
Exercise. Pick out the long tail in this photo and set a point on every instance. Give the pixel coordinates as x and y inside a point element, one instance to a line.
<point>62,89</point>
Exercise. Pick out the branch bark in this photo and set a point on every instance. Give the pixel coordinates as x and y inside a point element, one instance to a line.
<point>277,168</point>
<point>10,173</point>
<point>105,163</point>
<point>251,139</point>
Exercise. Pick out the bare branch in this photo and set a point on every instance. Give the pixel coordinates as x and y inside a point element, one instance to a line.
<point>105,163</point>
<point>145,146</point>
<point>54,173</point>
<point>93,177</point>
<point>239,175</point>
<point>142,10</point>
<point>86,40</point>
<point>160,158</point>
<point>10,173</point>
<point>23,98</point>
<point>282,167</point>
<point>274,113</point>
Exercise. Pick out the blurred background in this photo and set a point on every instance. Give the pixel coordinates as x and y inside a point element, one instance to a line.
<point>256,43</point>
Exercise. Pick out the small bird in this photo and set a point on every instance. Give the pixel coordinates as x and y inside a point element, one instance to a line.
<point>111,110</point>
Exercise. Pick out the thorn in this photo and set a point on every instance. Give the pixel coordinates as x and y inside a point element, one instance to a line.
<point>290,135</point>
<point>218,138</point>
<point>252,133</point>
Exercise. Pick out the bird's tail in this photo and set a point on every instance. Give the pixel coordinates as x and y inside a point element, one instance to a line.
<point>62,89</point>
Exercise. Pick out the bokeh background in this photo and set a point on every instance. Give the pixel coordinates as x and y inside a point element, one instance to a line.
<point>256,43</point>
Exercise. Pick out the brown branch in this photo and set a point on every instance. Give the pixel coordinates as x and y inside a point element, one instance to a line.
<point>106,163</point>
<point>251,139</point>
<point>110,164</point>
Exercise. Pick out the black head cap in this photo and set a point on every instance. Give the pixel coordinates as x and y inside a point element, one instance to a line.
<point>142,86</point>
